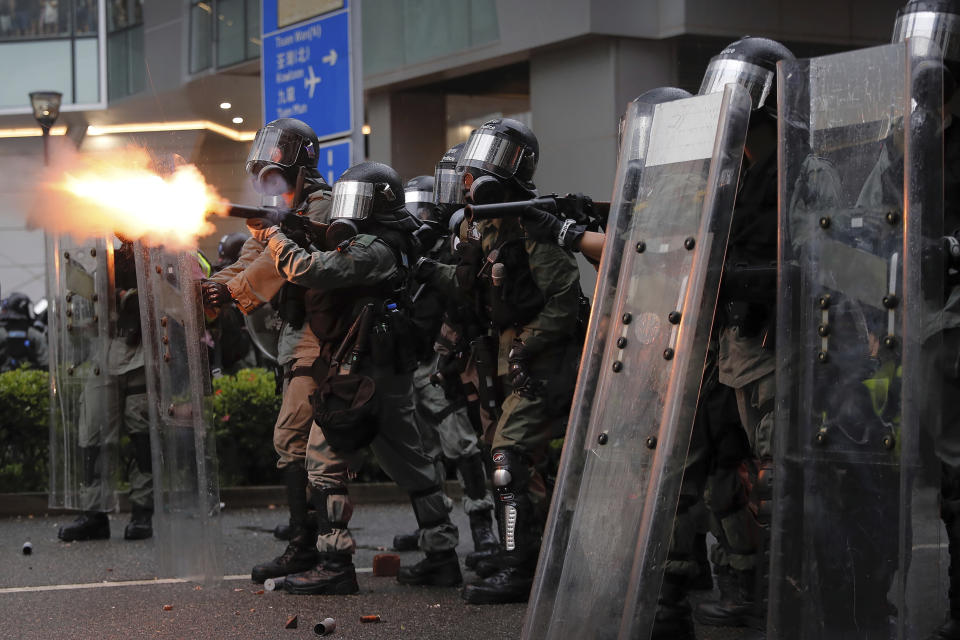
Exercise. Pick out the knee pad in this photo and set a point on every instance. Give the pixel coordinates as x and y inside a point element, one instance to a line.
<point>511,475</point>
<point>511,471</point>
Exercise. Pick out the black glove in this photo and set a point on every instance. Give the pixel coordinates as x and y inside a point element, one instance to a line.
<point>215,294</point>
<point>546,227</point>
<point>518,371</point>
<point>423,269</point>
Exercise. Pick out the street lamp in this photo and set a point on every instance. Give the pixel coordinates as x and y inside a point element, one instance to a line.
<point>46,109</point>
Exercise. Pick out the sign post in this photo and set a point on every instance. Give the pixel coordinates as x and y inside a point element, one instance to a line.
<point>311,70</point>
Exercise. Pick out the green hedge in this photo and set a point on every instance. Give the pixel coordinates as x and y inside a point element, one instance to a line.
<point>24,431</point>
<point>245,407</point>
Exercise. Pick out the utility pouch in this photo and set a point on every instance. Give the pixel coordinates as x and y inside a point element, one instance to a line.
<point>484,353</point>
<point>345,404</point>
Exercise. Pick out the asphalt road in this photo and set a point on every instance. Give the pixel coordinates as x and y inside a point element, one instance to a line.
<point>108,589</point>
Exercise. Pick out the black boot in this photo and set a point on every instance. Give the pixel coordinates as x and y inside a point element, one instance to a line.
<point>89,525</point>
<point>140,526</point>
<point>673,619</point>
<point>736,606</point>
<point>334,575</point>
<point>509,584</point>
<point>474,478</point>
<point>438,569</point>
<point>407,541</point>
<point>301,553</point>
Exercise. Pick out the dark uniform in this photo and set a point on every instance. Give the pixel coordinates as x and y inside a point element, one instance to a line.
<point>737,492</point>
<point>354,305</point>
<point>528,294</point>
<point>441,410</point>
<point>129,410</point>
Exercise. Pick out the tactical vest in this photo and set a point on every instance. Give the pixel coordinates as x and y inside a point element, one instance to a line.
<point>515,299</point>
<point>331,312</point>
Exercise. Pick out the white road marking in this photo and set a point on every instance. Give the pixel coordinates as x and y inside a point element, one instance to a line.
<point>126,583</point>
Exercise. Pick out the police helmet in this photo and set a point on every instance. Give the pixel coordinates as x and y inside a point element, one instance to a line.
<point>418,194</point>
<point>278,151</point>
<point>447,184</point>
<point>16,306</point>
<point>228,250</point>
<point>751,63</point>
<point>503,148</point>
<point>365,189</point>
<point>934,20</point>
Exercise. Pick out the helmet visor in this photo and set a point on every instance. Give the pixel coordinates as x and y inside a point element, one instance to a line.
<point>491,152</point>
<point>415,197</point>
<point>352,200</point>
<point>447,187</point>
<point>723,71</point>
<point>943,29</point>
<point>274,145</point>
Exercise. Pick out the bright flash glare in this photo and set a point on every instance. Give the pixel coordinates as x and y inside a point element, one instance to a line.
<point>121,193</point>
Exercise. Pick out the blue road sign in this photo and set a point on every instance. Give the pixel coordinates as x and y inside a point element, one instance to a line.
<point>306,74</point>
<point>334,159</point>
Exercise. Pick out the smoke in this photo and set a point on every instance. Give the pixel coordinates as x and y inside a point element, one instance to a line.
<point>125,192</point>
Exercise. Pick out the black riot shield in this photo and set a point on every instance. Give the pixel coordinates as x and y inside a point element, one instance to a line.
<point>856,550</point>
<point>613,507</point>
<point>186,488</point>
<point>83,442</point>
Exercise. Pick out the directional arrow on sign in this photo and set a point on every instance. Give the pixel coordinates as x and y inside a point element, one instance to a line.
<point>331,58</point>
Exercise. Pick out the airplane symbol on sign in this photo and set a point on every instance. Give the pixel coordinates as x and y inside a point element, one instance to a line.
<point>311,82</point>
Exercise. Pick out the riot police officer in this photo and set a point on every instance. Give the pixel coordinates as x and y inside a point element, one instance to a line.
<point>127,408</point>
<point>940,22</point>
<point>529,293</point>
<point>745,326</point>
<point>355,311</point>
<point>445,427</point>
<point>282,161</point>
<point>21,343</point>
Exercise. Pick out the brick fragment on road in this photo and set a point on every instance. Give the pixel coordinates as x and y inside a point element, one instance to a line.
<point>291,623</point>
<point>386,565</point>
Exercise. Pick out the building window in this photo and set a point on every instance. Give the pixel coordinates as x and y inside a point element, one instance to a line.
<point>125,63</point>
<point>223,33</point>
<point>404,32</point>
<point>53,40</point>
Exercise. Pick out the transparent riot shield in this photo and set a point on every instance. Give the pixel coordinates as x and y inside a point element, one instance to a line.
<point>613,507</point>
<point>83,443</point>
<point>856,538</point>
<point>263,324</point>
<point>186,488</point>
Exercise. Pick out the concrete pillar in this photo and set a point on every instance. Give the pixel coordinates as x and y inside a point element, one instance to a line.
<point>577,95</point>
<point>407,130</point>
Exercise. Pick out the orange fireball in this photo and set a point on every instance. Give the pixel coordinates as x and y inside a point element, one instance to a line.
<point>123,193</point>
